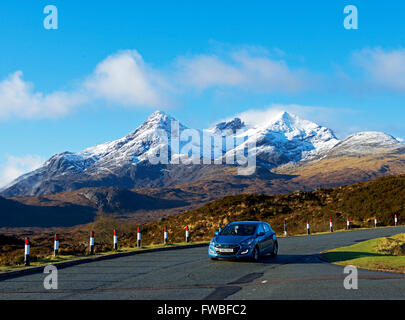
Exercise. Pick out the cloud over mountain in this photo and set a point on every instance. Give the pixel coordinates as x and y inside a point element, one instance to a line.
<point>241,69</point>
<point>386,68</point>
<point>16,166</point>
<point>126,79</point>
<point>18,99</point>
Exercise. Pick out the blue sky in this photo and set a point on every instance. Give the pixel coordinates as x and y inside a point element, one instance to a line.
<point>112,63</point>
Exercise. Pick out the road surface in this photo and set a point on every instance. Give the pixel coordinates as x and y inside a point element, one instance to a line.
<point>297,273</point>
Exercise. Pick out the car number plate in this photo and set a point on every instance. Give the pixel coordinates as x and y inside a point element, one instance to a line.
<point>225,250</point>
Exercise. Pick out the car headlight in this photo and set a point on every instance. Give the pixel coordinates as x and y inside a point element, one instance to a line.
<point>212,243</point>
<point>248,242</point>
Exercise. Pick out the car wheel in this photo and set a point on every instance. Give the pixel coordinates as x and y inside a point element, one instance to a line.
<point>275,249</point>
<point>256,254</point>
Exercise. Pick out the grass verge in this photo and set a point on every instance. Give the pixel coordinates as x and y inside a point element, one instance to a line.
<point>381,254</point>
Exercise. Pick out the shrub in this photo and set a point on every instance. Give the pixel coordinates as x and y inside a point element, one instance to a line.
<point>391,246</point>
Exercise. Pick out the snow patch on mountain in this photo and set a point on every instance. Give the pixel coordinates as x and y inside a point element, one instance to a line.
<point>368,142</point>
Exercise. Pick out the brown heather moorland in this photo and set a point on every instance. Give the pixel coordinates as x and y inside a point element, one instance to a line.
<point>383,198</point>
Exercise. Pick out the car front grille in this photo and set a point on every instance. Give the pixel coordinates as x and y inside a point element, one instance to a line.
<point>235,249</point>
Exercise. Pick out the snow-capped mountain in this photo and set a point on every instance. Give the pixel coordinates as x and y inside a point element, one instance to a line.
<point>286,138</point>
<point>126,162</point>
<point>362,143</point>
<point>152,136</point>
<point>96,166</point>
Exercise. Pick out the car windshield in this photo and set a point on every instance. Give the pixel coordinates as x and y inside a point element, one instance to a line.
<point>239,230</point>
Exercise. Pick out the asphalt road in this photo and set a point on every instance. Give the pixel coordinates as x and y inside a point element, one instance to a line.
<point>297,273</point>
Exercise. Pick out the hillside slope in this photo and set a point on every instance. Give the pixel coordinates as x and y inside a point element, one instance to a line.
<point>334,171</point>
<point>383,198</point>
<point>16,214</point>
<point>148,204</point>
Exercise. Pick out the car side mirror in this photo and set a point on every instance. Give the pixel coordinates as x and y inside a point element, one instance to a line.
<point>216,233</point>
<point>260,234</point>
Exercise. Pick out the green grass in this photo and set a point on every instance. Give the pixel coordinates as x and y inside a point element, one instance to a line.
<point>303,234</point>
<point>64,258</point>
<point>368,255</point>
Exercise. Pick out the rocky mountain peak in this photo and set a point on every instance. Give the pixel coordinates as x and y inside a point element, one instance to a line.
<point>228,127</point>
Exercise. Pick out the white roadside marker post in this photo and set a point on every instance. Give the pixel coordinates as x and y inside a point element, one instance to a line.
<point>187,235</point>
<point>308,231</point>
<point>285,227</point>
<point>138,241</point>
<point>396,220</point>
<point>330,225</point>
<point>165,235</point>
<point>115,240</point>
<point>375,222</point>
<point>91,249</point>
<point>27,252</point>
<point>56,246</point>
<point>348,224</point>
<point>219,228</point>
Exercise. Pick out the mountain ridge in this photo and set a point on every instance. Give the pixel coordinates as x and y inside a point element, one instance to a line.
<point>125,162</point>
<point>171,200</point>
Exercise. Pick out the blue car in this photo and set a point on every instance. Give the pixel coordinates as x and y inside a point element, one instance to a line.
<point>244,239</point>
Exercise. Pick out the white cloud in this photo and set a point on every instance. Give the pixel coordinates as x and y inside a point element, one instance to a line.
<point>204,71</point>
<point>18,99</point>
<point>124,78</point>
<point>242,70</point>
<point>269,75</point>
<point>16,166</point>
<point>383,67</point>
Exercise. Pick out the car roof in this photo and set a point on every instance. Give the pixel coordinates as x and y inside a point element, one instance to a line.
<point>246,222</point>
